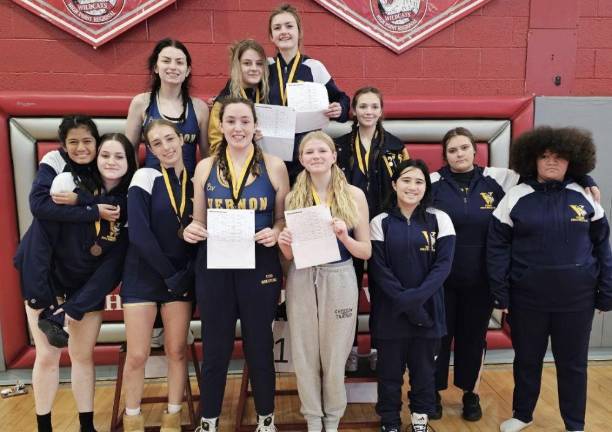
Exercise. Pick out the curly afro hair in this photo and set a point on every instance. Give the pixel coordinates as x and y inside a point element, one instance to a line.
<point>572,144</point>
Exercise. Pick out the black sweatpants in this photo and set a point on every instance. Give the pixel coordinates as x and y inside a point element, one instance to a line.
<point>394,355</point>
<point>467,319</point>
<point>223,297</point>
<point>569,333</point>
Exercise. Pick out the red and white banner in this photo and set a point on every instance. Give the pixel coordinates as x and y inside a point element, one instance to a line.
<point>401,24</point>
<point>94,21</point>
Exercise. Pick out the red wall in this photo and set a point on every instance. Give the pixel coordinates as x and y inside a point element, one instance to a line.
<point>483,54</point>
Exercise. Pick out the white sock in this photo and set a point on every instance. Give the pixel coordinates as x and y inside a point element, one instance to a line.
<point>132,411</point>
<point>174,408</point>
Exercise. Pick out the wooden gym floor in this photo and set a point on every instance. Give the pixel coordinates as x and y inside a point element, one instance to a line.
<point>18,414</point>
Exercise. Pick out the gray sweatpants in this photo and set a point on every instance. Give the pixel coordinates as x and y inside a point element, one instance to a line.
<point>322,311</point>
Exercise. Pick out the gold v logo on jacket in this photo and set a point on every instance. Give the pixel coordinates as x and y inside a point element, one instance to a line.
<point>430,240</point>
<point>489,200</point>
<point>113,232</point>
<point>580,213</point>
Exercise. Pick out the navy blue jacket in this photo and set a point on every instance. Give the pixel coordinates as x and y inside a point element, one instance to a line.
<point>410,261</point>
<point>309,70</point>
<point>471,213</point>
<point>53,257</point>
<point>548,249</point>
<point>385,156</point>
<point>157,257</point>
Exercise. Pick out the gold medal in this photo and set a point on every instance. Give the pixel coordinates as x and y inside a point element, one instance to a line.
<point>178,211</point>
<point>95,250</point>
<point>180,232</point>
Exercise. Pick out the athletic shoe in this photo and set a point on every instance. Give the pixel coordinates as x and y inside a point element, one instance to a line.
<point>352,362</point>
<point>56,335</point>
<point>419,422</point>
<point>391,428</point>
<point>157,337</point>
<point>513,425</point>
<point>437,414</point>
<point>171,422</point>
<point>265,423</point>
<point>373,360</point>
<point>208,425</point>
<point>133,423</point>
<point>471,407</point>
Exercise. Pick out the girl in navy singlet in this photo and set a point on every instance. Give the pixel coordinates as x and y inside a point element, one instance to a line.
<point>239,175</point>
<point>170,68</point>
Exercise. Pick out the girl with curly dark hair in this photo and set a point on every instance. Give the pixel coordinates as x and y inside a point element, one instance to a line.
<point>550,266</point>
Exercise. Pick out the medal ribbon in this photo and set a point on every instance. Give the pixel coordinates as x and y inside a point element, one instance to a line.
<point>281,83</point>
<point>244,95</point>
<point>178,212</point>
<point>362,160</point>
<point>237,184</point>
<point>317,198</point>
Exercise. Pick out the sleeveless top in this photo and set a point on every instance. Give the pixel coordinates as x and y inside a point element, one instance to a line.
<point>189,128</point>
<point>259,196</point>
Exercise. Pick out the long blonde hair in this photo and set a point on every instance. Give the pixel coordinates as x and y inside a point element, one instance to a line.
<point>342,203</point>
<point>236,81</point>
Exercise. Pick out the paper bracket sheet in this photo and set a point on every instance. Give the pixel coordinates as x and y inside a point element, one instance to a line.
<point>310,101</point>
<point>313,239</point>
<point>277,125</point>
<point>231,242</point>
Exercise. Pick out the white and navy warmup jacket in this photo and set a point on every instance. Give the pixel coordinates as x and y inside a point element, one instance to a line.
<point>471,213</point>
<point>410,261</point>
<point>549,249</point>
<point>41,205</point>
<point>159,264</point>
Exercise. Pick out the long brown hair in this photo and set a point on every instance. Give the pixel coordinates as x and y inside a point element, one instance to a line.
<point>236,82</point>
<point>342,203</point>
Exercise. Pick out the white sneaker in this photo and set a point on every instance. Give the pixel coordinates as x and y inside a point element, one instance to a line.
<point>352,362</point>
<point>265,423</point>
<point>513,425</point>
<point>208,425</point>
<point>157,338</point>
<point>419,422</point>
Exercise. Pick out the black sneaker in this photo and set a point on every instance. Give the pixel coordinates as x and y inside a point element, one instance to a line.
<point>390,428</point>
<point>56,335</point>
<point>471,407</point>
<point>437,414</point>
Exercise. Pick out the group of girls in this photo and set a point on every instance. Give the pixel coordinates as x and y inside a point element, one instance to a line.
<point>415,228</point>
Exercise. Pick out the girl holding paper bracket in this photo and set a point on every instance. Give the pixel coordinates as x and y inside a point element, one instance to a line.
<point>290,65</point>
<point>158,272</point>
<point>239,175</point>
<point>322,300</point>
<point>412,253</point>
<point>248,80</point>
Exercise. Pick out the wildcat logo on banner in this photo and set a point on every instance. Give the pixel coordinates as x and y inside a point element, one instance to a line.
<point>94,21</point>
<point>401,24</point>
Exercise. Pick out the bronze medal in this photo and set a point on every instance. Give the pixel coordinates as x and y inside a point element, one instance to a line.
<point>180,232</point>
<point>95,250</point>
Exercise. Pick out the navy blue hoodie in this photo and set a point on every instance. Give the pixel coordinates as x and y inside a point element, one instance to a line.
<point>471,212</point>
<point>410,261</point>
<point>548,249</point>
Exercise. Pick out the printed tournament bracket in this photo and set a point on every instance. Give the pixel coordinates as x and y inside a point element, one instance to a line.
<point>94,21</point>
<point>401,24</point>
